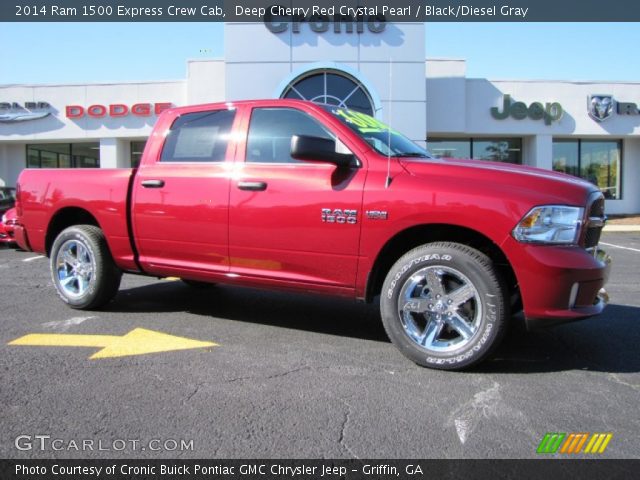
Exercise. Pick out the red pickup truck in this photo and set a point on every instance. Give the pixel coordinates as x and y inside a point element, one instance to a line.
<point>292,195</point>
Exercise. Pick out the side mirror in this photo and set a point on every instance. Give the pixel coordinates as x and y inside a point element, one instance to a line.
<point>305,147</point>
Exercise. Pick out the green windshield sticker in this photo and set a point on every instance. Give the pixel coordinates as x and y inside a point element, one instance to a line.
<point>364,123</point>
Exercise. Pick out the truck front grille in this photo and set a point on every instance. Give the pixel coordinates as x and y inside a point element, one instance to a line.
<point>592,237</point>
<point>594,222</point>
<point>597,207</point>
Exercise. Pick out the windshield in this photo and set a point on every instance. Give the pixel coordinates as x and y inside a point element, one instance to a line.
<point>384,140</point>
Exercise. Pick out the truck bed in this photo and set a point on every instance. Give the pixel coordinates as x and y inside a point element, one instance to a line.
<point>48,195</point>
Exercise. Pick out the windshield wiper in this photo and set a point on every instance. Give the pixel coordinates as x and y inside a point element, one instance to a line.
<point>412,154</point>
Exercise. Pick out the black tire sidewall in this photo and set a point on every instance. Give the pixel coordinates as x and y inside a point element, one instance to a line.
<point>80,235</point>
<point>477,268</point>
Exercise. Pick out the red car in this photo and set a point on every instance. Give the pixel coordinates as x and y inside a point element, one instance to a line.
<point>7,227</point>
<point>291,195</point>
<point>7,199</point>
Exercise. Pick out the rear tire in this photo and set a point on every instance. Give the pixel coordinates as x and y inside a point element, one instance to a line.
<point>444,306</point>
<point>82,268</point>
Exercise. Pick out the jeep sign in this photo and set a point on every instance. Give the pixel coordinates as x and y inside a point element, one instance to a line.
<point>549,112</point>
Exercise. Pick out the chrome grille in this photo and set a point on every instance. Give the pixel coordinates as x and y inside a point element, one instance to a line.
<point>595,221</point>
<point>592,237</point>
<point>597,207</point>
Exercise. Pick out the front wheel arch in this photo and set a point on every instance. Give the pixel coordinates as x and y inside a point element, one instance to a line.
<point>413,237</point>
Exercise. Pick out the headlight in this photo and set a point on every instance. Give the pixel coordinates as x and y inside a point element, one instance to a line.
<point>551,224</point>
<point>4,219</point>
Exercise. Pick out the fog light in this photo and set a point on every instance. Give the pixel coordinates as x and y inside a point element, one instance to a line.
<point>573,295</point>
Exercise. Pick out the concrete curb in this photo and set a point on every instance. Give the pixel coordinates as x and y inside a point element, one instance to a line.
<point>622,228</point>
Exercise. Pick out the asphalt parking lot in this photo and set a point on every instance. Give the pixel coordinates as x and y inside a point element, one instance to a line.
<point>298,376</point>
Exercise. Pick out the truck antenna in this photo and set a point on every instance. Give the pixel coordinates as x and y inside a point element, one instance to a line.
<point>388,179</point>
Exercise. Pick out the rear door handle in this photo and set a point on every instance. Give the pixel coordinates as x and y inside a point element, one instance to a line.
<point>253,186</point>
<point>152,183</point>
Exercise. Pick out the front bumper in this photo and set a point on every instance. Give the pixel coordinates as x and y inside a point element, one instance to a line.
<point>559,284</point>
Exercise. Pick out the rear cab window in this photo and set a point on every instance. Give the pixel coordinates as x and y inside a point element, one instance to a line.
<point>199,137</point>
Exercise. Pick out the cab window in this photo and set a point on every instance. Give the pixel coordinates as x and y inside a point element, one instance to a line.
<point>270,132</point>
<point>199,137</point>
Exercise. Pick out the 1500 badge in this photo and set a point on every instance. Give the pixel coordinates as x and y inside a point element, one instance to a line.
<point>338,215</point>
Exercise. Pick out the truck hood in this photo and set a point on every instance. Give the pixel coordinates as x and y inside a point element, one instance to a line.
<point>540,186</point>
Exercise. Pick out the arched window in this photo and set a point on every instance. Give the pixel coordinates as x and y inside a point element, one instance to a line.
<point>331,87</point>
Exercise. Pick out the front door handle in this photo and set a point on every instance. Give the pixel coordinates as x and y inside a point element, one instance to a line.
<point>152,183</point>
<point>253,186</point>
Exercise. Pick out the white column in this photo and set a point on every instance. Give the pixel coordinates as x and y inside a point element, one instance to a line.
<point>124,153</point>
<point>538,151</point>
<point>114,153</point>
<point>12,162</point>
<point>630,202</point>
<point>17,161</point>
<point>4,167</point>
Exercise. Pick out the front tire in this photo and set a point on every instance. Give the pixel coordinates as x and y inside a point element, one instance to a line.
<point>82,269</point>
<point>444,306</point>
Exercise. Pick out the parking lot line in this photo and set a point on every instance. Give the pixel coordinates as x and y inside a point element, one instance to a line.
<point>620,246</point>
<point>30,259</point>
<point>64,325</point>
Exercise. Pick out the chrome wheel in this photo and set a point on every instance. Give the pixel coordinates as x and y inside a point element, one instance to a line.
<point>440,309</point>
<point>75,268</point>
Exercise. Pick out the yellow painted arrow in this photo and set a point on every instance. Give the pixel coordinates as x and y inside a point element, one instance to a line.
<point>137,342</point>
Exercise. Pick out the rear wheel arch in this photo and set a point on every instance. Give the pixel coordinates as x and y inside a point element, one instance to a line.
<point>64,218</point>
<point>82,268</point>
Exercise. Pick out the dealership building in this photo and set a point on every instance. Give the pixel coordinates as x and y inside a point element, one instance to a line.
<point>590,129</point>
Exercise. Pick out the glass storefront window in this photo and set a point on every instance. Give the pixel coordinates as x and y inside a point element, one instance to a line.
<point>63,155</point>
<point>48,159</point>
<point>137,147</point>
<point>508,150</point>
<point>597,161</point>
<point>565,157</point>
<point>85,155</point>
<point>444,148</point>
<point>33,158</point>
<point>64,161</point>
<point>51,155</point>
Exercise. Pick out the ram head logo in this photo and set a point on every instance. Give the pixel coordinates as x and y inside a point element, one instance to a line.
<point>600,107</point>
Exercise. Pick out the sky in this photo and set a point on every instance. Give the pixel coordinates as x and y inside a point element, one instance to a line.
<point>41,53</point>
